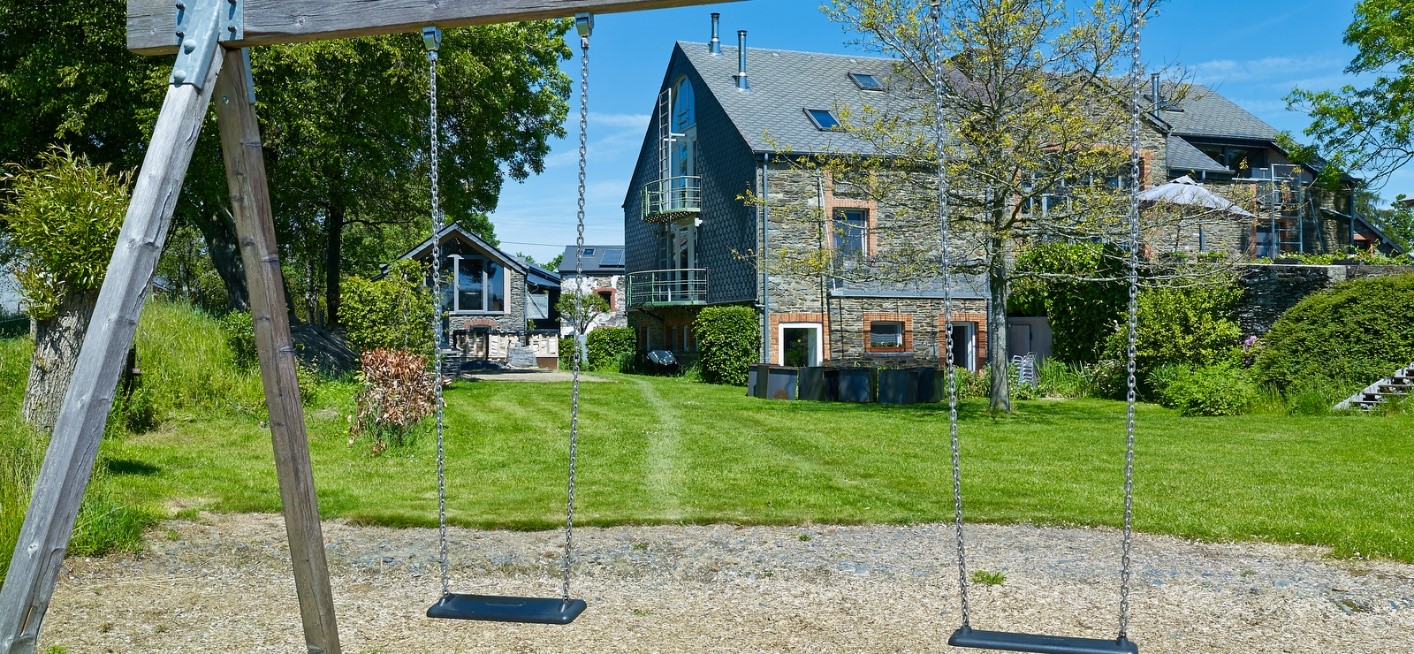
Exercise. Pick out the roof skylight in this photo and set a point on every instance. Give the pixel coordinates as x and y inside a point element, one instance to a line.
<point>866,82</point>
<point>823,118</point>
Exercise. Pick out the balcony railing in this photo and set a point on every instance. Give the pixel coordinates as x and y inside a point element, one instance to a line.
<point>667,287</point>
<point>668,199</point>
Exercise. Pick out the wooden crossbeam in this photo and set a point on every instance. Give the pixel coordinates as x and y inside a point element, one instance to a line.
<point>268,22</point>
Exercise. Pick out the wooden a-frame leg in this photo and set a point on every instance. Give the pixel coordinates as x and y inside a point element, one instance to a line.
<point>255,230</point>
<point>73,445</point>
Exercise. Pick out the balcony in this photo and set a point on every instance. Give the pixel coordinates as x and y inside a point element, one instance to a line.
<point>667,200</point>
<point>682,286</point>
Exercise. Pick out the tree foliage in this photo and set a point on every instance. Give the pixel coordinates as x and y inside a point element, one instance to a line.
<point>1189,325</point>
<point>1082,290</point>
<point>62,219</point>
<point>1368,129</point>
<point>1030,113</point>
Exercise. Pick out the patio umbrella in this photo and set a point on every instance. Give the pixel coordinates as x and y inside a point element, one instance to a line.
<point>1186,192</point>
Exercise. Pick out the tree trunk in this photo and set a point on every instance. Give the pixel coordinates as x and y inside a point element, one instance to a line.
<point>998,277</point>
<point>333,257</point>
<point>56,350</point>
<point>218,231</point>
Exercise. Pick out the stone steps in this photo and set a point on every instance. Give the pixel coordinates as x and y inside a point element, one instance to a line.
<point>1399,384</point>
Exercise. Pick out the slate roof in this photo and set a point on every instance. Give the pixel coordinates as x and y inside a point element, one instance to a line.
<point>534,274</point>
<point>1206,113</point>
<point>784,83</point>
<point>1183,156</point>
<point>598,260</point>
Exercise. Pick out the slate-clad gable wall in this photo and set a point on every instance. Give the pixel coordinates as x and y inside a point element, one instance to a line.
<point>727,239</point>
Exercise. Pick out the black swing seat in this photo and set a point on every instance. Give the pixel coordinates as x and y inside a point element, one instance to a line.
<point>494,608</point>
<point>1014,642</point>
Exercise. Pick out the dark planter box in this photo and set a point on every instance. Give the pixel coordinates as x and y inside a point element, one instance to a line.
<point>756,377</point>
<point>856,384</point>
<point>781,382</point>
<point>1287,261</point>
<point>819,384</point>
<point>898,386</point>
<point>929,384</point>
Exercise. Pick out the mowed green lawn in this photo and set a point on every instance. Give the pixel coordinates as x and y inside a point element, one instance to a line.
<point>655,450</point>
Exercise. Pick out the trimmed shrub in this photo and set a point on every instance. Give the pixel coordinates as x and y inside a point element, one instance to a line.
<point>393,313</point>
<point>611,348</point>
<point>1353,333</point>
<point>1190,325</point>
<point>728,339</point>
<point>1217,390</point>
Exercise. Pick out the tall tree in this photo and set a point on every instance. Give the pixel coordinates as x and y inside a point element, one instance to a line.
<point>1367,130</point>
<point>346,126</point>
<point>63,219</point>
<point>1031,111</point>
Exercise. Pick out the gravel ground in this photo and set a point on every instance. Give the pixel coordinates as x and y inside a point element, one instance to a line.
<point>221,584</point>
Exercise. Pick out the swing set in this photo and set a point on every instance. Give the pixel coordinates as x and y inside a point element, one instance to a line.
<point>210,38</point>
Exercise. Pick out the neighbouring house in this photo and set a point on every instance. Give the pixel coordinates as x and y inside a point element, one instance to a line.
<point>498,310</point>
<point>1214,141</point>
<point>719,136</point>
<point>602,274</point>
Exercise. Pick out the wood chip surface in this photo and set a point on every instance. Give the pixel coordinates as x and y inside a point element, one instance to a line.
<point>222,584</point>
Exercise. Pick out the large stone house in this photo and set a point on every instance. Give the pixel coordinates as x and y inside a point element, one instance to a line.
<point>498,310</point>
<point>708,213</point>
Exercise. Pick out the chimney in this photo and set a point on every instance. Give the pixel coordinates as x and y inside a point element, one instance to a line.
<point>740,77</point>
<point>1158,99</point>
<point>715,45</point>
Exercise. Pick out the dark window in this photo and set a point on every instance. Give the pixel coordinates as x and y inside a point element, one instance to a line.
<point>866,82</point>
<point>823,118</point>
<point>886,334</point>
<point>851,231</point>
<point>588,252</point>
<point>608,298</point>
<point>474,284</point>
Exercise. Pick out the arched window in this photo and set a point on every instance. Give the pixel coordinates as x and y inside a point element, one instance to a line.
<point>684,133</point>
<point>684,106</point>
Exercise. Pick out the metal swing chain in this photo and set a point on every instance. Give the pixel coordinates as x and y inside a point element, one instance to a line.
<point>945,229</point>
<point>1136,74</point>
<point>585,25</point>
<point>432,38</point>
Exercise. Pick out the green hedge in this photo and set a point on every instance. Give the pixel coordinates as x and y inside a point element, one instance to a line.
<point>394,312</point>
<point>1186,325</point>
<point>1223,389</point>
<point>728,342</point>
<point>1353,333</point>
<point>611,348</point>
<point>1081,311</point>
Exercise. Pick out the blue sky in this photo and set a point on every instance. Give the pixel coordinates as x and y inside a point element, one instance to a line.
<point>1252,51</point>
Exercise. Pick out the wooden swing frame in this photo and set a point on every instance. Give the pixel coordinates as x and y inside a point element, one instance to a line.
<point>211,65</point>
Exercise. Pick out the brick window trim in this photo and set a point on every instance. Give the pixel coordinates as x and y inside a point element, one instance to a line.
<point>777,319</point>
<point>980,322</point>
<point>905,318</point>
<point>833,204</point>
<point>613,296</point>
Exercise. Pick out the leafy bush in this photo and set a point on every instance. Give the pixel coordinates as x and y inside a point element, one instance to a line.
<point>240,337</point>
<point>1081,311</point>
<point>1217,390</point>
<point>567,353</point>
<point>397,393</point>
<point>611,348</point>
<point>1353,333</point>
<point>1190,325</point>
<point>728,339</point>
<point>393,313</point>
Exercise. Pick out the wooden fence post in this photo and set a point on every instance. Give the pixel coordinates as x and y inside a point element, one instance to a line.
<point>255,230</point>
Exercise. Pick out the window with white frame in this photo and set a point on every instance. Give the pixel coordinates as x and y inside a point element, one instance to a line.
<point>478,285</point>
<point>886,334</point>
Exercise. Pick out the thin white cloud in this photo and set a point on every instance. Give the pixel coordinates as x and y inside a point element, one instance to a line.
<point>1230,71</point>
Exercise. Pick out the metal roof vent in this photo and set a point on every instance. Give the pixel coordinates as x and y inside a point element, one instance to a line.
<point>715,45</point>
<point>740,77</point>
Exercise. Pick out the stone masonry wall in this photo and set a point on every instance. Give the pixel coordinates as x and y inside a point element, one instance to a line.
<point>1269,290</point>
